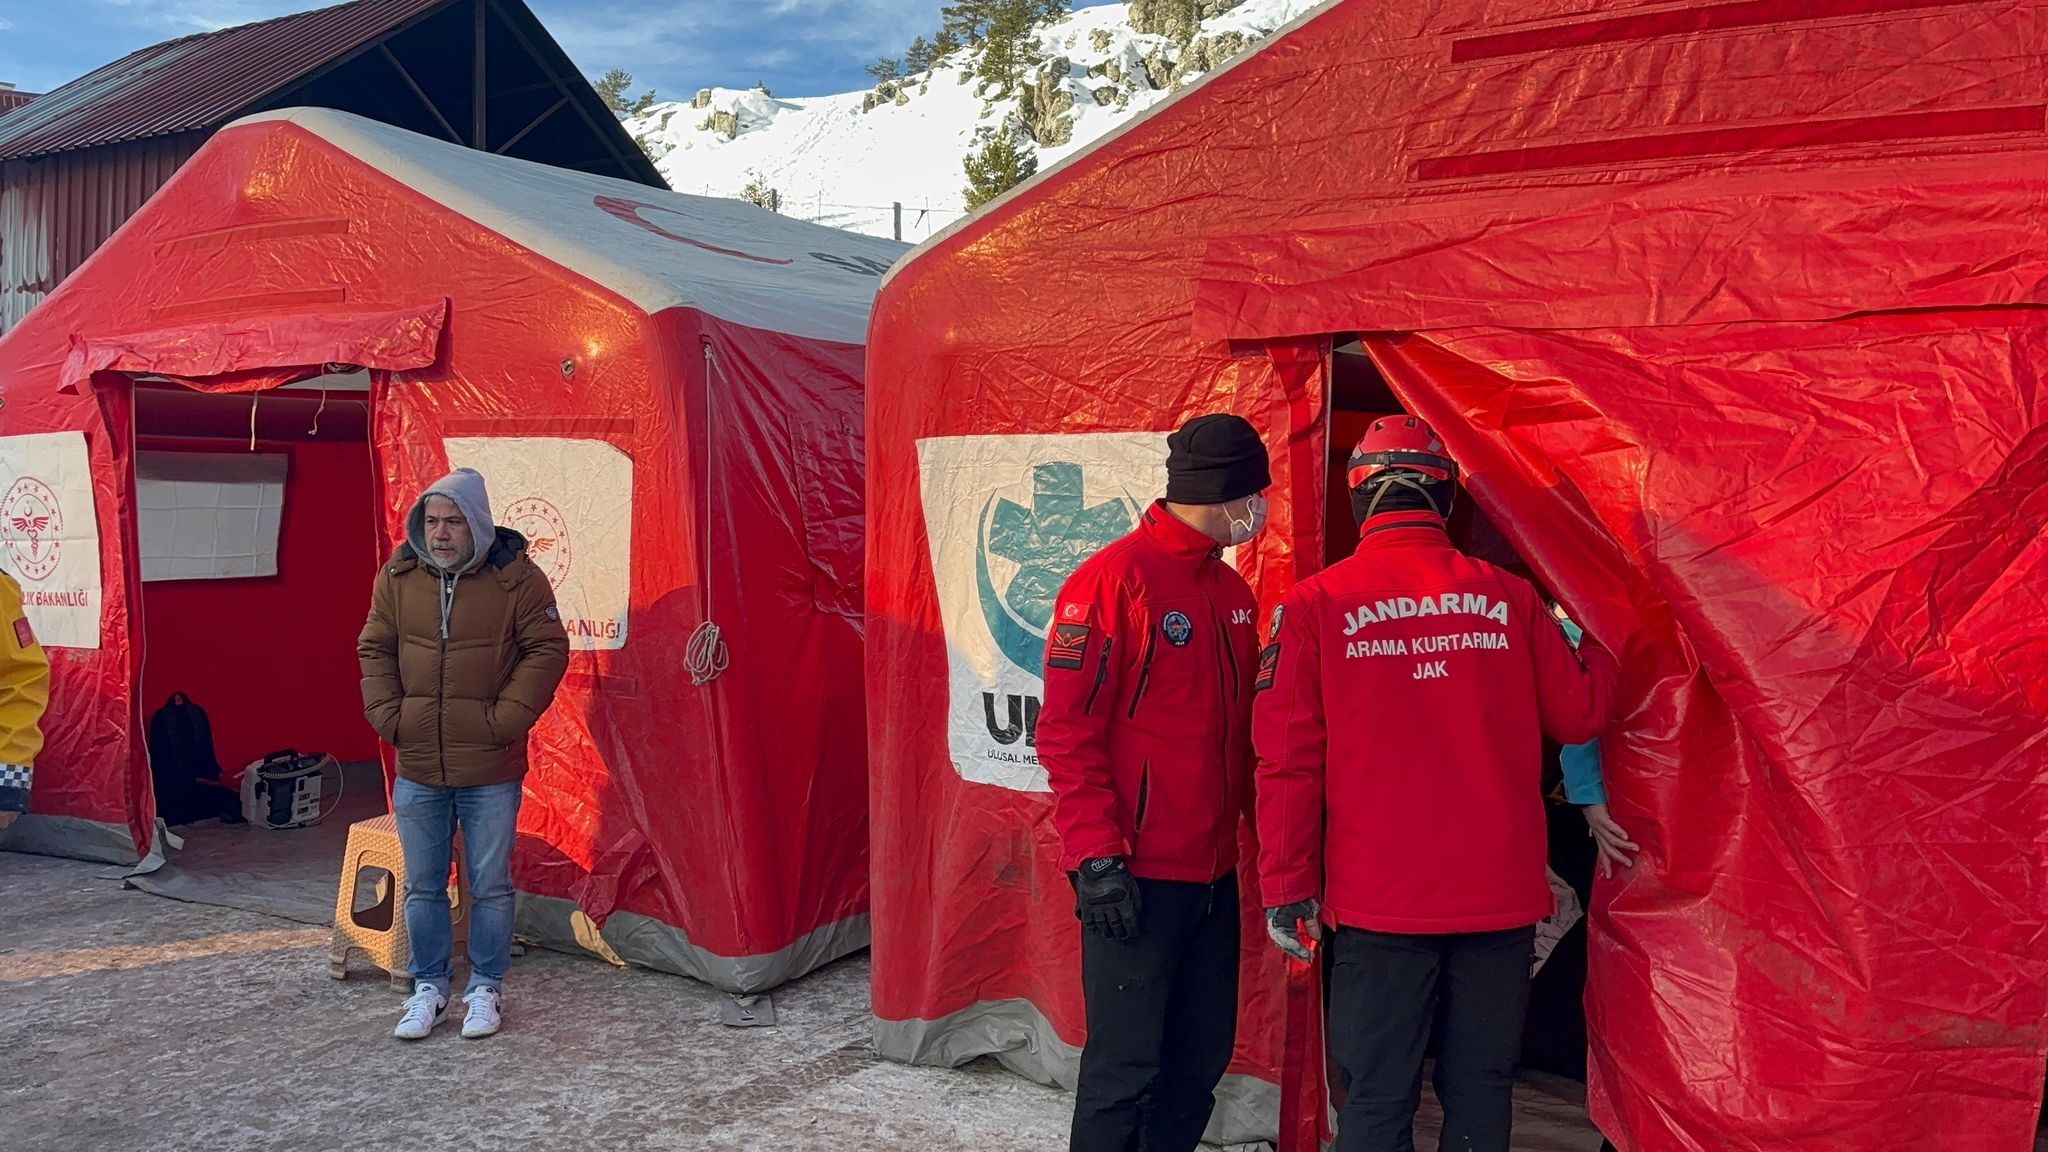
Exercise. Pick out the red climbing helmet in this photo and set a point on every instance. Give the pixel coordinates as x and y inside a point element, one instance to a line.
<point>1400,443</point>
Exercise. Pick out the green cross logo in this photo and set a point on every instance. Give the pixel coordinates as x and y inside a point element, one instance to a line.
<point>1045,542</point>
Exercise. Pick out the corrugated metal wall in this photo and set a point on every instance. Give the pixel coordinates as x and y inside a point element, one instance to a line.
<point>55,210</point>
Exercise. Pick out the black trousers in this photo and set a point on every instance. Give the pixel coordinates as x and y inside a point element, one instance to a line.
<point>1386,993</point>
<point>1162,1019</point>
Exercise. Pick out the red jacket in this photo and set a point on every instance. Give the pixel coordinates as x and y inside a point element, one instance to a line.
<point>1146,727</point>
<point>1400,724</point>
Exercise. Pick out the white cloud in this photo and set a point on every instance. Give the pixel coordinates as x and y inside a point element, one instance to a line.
<point>678,44</point>
<point>184,17</point>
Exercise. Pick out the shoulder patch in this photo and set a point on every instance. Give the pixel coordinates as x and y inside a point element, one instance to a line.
<point>1279,611</point>
<point>1067,649</point>
<point>24,636</point>
<point>554,613</point>
<point>1269,665</point>
<point>1076,612</point>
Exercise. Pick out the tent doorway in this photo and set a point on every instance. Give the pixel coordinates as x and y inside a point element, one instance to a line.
<point>1554,1038</point>
<point>259,535</point>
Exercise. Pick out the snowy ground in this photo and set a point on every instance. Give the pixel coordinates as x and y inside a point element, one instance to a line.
<point>132,1023</point>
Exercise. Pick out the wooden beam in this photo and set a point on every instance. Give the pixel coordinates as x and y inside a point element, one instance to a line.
<point>479,95</point>
<point>521,134</point>
<point>603,137</point>
<point>409,83</point>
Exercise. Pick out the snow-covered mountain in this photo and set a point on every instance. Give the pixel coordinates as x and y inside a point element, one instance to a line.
<point>845,160</point>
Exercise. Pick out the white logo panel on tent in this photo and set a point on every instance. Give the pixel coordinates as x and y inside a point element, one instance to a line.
<point>50,535</point>
<point>573,501</point>
<point>1009,519</point>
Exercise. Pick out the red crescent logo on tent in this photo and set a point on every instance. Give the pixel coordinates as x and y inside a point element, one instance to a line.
<point>547,536</point>
<point>630,211</point>
<point>31,524</point>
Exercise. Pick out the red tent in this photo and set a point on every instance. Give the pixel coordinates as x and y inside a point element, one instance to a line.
<point>664,393</point>
<point>1731,310</point>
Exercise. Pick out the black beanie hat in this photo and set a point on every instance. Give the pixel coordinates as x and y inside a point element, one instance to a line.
<point>1214,460</point>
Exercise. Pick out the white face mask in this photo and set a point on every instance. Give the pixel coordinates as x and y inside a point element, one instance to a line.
<point>1242,530</point>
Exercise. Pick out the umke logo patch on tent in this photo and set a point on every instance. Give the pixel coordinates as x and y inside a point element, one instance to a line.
<point>1041,544</point>
<point>49,535</point>
<point>31,523</point>
<point>547,536</point>
<point>1009,519</point>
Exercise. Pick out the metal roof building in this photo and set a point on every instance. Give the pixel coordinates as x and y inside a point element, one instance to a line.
<point>77,162</point>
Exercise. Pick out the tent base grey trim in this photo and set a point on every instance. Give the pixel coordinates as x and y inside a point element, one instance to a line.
<point>629,938</point>
<point>71,836</point>
<point>1022,1040</point>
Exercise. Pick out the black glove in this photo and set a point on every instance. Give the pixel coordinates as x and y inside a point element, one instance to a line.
<point>1106,897</point>
<point>1286,925</point>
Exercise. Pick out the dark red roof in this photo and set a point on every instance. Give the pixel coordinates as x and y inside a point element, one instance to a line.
<point>198,81</point>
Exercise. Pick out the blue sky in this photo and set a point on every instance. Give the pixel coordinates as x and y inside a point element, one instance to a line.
<point>798,47</point>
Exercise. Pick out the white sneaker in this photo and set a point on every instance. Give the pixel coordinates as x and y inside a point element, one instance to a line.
<point>425,1009</point>
<point>481,1017</point>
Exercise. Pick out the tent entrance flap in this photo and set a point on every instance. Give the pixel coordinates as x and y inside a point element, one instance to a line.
<point>253,351</point>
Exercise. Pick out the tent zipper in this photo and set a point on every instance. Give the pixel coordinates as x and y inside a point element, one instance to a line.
<point>1144,678</point>
<point>1144,793</point>
<point>1101,676</point>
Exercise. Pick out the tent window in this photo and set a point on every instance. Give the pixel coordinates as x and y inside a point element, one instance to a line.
<point>209,516</point>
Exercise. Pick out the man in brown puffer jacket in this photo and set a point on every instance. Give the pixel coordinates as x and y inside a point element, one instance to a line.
<point>462,653</point>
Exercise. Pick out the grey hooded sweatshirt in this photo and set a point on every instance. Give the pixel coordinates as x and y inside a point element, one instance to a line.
<point>464,486</point>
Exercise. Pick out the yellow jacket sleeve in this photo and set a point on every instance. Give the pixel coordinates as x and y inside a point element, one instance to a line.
<point>24,694</point>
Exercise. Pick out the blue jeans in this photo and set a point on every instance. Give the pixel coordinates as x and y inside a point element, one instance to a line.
<point>427,819</point>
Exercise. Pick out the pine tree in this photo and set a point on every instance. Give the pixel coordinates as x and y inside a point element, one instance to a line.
<point>945,43</point>
<point>645,102</point>
<point>918,57</point>
<point>967,20</point>
<point>1010,48</point>
<point>611,88</point>
<point>999,164</point>
<point>886,69</point>
<point>759,191</point>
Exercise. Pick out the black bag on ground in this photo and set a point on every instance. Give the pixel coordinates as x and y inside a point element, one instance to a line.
<point>183,766</point>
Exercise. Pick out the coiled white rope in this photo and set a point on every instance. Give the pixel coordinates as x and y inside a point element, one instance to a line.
<point>706,657</point>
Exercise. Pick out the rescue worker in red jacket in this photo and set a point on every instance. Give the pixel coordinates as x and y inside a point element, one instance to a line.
<point>1404,698</point>
<point>1145,734</point>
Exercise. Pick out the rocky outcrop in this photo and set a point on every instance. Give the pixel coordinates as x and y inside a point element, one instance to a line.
<point>1209,53</point>
<point>1162,70</point>
<point>703,99</point>
<point>1177,20</point>
<point>1045,104</point>
<point>1168,68</point>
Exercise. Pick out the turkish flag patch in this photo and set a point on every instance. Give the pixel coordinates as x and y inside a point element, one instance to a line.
<point>1269,667</point>
<point>1076,613</point>
<point>1068,648</point>
<point>24,636</point>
